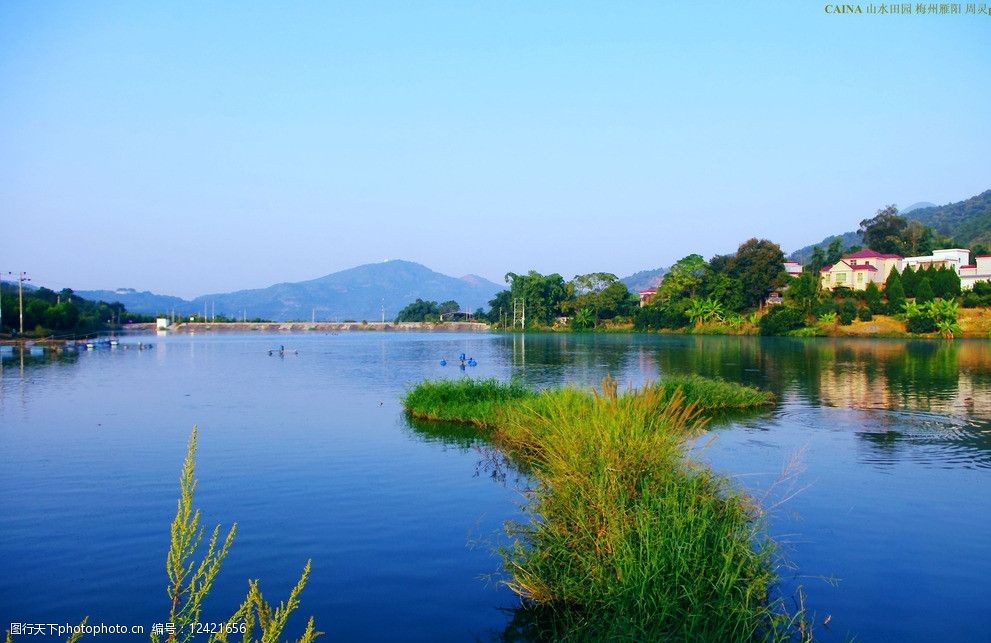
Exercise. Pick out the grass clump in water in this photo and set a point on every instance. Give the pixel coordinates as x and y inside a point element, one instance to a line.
<point>468,400</point>
<point>628,539</point>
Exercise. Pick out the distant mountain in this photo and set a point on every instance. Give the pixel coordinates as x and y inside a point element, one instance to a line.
<point>644,279</point>
<point>358,293</point>
<point>917,206</point>
<point>966,222</point>
<point>850,239</point>
<point>144,302</point>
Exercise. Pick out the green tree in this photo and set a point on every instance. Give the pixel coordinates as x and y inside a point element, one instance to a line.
<point>816,262</point>
<point>872,297</point>
<point>583,319</point>
<point>917,239</point>
<point>600,292</point>
<point>895,292</point>
<point>448,307</point>
<point>501,308</point>
<point>804,291</point>
<point>683,279</point>
<point>724,288</point>
<point>419,311</point>
<point>834,251</point>
<point>910,281</point>
<point>542,295</point>
<point>924,291</point>
<point>883,232</point>
<point>759,265</point>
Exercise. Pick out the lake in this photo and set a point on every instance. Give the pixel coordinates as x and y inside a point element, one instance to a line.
<point>874,468</point>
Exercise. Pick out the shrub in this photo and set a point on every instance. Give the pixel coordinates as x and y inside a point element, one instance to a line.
<point>924,291</point>
<point>872,297</point>
<point>780,320</point>
<point>848,312</point>
<point>920,324</point>
<point>865,314</point>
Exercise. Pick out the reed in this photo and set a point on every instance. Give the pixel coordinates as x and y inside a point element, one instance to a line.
<point>627,537</point>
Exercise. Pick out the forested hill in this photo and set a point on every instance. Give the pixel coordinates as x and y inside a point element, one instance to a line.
<point>644,279</point>
<point>967,222</point>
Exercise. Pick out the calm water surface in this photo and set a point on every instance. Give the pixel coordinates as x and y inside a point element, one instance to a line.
<point>874,466</point>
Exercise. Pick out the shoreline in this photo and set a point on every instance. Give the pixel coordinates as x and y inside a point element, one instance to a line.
<point>204,327</point>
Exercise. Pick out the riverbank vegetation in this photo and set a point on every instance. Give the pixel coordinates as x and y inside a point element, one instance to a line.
<point>731,294</point>
<point>62,313</point>
<point>629,539</point>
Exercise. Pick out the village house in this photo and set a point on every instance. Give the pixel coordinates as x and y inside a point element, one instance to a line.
<point>646,296</point>
<point>793,268</point>
<point>980,270</point>
<point>863,267</point>
<point>858,269</point>
<point>954,258</point>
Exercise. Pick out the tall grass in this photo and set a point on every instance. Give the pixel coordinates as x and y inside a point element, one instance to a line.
<point>627,538</point>
<point>467,400</point>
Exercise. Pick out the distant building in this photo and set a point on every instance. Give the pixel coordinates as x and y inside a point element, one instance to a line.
<point>646,296</point>
<point>793,268</point>
<point>161,323</point>
<point>980,270</point>
<point>955,258</point>
<point>858,269</point>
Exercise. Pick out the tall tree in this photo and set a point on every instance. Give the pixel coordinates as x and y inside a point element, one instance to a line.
<point>683,279</point>
<point>542,294</point>
<point>924,291</point>
<point>759,266</point>
<point>834,252</point>
<point>883,231</point>
<point>816,261</point>
<point>895,293</point>
<point>910,280</point>
<point>804,290</point>
<point>600,292</point>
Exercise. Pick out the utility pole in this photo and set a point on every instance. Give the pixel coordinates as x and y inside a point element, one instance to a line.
<point>21,278</point>
<point>383,311</point>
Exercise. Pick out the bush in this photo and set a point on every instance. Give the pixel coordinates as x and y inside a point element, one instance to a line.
<point>780,320</point>
<point>865,314</point>
<point>824,308</point>
<point>872,296</point>
<point>924,291</point>
<point>920,324</point>
<point>657,316</point>
<point>848,312</point>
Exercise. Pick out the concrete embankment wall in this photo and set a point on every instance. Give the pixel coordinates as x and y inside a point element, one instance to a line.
<point>321,327</point>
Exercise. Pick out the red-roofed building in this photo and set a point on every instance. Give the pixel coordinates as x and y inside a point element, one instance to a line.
<point>858,269</point>
<point>646,296</point>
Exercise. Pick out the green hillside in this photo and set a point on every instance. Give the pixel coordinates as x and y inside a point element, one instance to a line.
<point>967,222</point>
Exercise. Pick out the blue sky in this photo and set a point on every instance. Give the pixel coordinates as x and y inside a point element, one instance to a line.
<point>214,146</point>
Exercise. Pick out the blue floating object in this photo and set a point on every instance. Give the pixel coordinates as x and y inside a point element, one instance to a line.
<point>443,362</point>
<point>462,357</point>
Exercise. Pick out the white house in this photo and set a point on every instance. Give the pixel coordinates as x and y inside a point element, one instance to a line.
<point>955,258</point>
<point>980,270</point>
<point>793,268</point>
<point>857,269</point>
